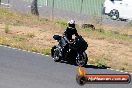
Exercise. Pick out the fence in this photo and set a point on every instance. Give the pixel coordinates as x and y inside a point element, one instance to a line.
<point>75,9</point>
<point>89,7</point>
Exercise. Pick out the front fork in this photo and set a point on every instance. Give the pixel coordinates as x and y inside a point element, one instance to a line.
<point>79,55</point>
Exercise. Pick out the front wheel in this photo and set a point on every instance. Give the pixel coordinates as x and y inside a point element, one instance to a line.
<point>114,14</point>
<point>81,60</point>
<point>55,53</point>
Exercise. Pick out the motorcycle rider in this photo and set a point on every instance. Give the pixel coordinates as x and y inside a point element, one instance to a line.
<point>72,52</point>
<point>67,35</point>
<point>70,30</point>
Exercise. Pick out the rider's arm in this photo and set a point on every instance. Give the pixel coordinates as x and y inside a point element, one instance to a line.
<point>65,32</point>
<point>65,35</point>
<point>66,39</point>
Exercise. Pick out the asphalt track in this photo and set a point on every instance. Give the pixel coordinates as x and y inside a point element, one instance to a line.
<point>22,69</point>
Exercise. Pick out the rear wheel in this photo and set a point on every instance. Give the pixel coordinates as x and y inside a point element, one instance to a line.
<point>81,60</point>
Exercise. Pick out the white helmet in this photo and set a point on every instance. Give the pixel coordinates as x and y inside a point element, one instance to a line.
<point>71,22</point>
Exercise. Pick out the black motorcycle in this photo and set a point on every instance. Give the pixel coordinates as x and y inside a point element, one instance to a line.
<point>72,52</point>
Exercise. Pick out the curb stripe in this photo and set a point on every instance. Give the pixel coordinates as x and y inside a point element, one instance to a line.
<point>126,72</point>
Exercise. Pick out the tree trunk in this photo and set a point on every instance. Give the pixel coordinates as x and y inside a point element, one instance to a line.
<point>34,8</point>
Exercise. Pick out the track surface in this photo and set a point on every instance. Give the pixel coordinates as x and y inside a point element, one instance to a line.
<point>19,69</point>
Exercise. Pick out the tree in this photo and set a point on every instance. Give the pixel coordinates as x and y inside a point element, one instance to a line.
<point>34,8</point>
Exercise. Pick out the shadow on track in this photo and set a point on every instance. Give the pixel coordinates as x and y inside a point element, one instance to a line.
<point>96,67</point>
<point>89,66</point>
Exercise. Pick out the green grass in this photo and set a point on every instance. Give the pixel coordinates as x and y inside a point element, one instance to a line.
<point>17,19</point>
<point>18,38</point>
<point>108,35</point>
<point>46,51</point>
<point>101,62</point>
<point>98,61</point>
<point>62,23</point>
<point>4,40</point>
<point>18,42</point>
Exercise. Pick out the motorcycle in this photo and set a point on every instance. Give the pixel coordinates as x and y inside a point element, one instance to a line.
<point>73,52</point>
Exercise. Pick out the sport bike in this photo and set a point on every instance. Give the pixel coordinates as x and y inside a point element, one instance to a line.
<point>73,52</point>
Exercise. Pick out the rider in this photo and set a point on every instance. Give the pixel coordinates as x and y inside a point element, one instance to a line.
<point>70,30</point>
<point>67,35</point>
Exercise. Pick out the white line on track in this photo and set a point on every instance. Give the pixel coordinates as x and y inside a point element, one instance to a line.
<point>117,70</point>
<point>121,71</point>
<point>126,72</point>
<point>24,50</point>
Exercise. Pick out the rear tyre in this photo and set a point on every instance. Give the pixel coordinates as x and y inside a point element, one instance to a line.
<point>55,53</point>
<point>114,14</point>
<point>81,60</point>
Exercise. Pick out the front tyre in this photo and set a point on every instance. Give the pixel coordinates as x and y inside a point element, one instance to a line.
<point>114,14</point>
<point>81,60</point>
<point>55,53</point>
